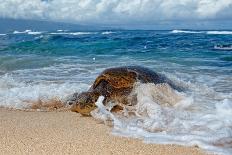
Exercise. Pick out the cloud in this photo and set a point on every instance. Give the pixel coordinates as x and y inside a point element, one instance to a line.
<point>117,11</point>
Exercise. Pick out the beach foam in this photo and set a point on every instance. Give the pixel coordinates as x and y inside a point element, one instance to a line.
<point>23,95</point>
<point>165,116</point>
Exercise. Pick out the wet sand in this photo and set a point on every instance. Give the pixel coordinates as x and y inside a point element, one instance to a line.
<point>54,132</point>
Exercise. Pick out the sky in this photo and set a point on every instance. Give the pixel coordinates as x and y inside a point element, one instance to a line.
<point>147,14</point>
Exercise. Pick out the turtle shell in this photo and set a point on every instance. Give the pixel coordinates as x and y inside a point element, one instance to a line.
<point>125,77</point>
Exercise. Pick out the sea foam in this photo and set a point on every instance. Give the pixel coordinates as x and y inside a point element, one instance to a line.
<point>163,115</point>
<point>34,33</point>
<point>184,31</point>
<point>23,95</point>
<point>72,33</point>
<point>28,32</point>
<point>107,32</point>
<point>205,32</point>
<point>219,32</point>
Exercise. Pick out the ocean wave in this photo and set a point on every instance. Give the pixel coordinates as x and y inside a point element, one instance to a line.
<point>165,116</point>
<point>34,33</point>
<point>206,32</point>
<point>23,95</point>
<point>62,30</point>
<point>1,34</point>
<point>20,32</point>
<point>219,32</point>
<point>58,33</point>
<point>72,33</point>
<point>28,32</point>
<point>107,32</point>
<point>183,31</point>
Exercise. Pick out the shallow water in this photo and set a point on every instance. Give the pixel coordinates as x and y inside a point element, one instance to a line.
<point>40,66</point>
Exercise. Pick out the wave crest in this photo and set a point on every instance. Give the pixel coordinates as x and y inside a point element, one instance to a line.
<point>219,32</point>
<point>184,31</point>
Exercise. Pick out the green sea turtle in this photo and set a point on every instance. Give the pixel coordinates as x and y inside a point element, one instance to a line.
<point>115,84</point>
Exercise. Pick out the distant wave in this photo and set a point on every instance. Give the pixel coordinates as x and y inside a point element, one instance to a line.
<point>28,32</point>
<point>62,30</point>
<point>19,32</point>
<point>219,32</point>
<point>82,33</point>
<point>206,32</point>
<point>2,34</point>
<point>72,33</point>
<point>34,33</point>
<point>58,33</point>
<point>107,32</point>
<point>183,31</point>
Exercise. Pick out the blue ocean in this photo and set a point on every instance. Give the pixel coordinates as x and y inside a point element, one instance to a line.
<point>42,66</point>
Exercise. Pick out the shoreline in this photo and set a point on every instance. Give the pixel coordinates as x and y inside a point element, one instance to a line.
<point>64,132</point>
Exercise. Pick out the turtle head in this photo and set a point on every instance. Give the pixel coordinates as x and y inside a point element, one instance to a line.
<point>85,103</point>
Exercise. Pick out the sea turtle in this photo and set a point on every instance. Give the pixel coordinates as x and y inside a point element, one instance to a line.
<point>115,84</point>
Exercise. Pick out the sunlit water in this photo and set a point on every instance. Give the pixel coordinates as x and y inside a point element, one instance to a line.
<point>46,65</point>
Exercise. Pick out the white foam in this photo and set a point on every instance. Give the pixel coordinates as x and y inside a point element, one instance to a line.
<point>219,32</point>
<point>206,32</point>
<point>224,110</point>
<point>61,30</point>
<point>34,33</point>
<point>107,32</point>
<point>39,37</point>
<point>17,94</point>
<point>165,116</point>
<point>183,31</point>
<point>101,113</point>
<point>81,33</point>
<point>28,32</point>
<point>20,32</point>
<point>199,116</point>
<point>2,34</point>
<point>72,33</point>
<point>58,33</point>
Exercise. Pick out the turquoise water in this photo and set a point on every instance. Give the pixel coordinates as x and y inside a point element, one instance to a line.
<point>44,65</point>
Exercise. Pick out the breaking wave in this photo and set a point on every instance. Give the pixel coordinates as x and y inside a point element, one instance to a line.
<point>72,33</point>
<point>183,31</point>
<point>27,32</point>
<point>219,32</point>
<point>107,32</point>
<point>31,95</point>
<point>205,32</point>
<point>165,116</point>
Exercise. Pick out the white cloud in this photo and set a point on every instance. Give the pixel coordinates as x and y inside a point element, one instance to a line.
<point>211,9</point>
<point>117,11</point>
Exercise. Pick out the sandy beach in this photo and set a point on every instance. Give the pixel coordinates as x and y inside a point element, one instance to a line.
<point>54,132</point>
